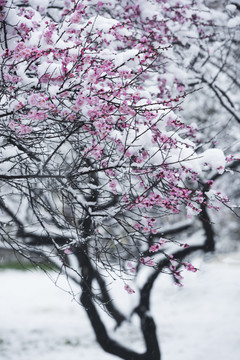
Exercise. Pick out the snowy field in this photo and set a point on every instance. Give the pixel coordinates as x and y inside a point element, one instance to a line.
<point>199,321</point>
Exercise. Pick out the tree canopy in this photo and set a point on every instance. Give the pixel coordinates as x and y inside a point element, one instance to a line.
<point>96,156</point>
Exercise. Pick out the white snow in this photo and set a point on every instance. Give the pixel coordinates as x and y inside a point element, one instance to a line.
<point>125,56</point>
<point>231,8</point>
<point>199,321</point>
<point>234,22</point>
<point>36,4</point>
<point>211,194</point>
<point>215,159</point>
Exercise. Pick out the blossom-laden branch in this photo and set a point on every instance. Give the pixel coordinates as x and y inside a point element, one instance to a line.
<point>95,157</point>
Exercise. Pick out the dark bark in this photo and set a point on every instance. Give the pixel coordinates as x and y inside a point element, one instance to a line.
<point>107,301</point>
<point>209,245</point>
<point>109,345</point>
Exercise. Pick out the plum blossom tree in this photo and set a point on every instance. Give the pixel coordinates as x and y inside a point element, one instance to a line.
<point>95,158</point>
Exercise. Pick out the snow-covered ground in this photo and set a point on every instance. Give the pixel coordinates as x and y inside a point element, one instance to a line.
<point>199,321</point>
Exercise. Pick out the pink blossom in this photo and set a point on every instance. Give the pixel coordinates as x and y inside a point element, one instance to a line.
<point>24,129</point>
<point>133,270</point>
<point>189,267</point>
<point>210,182</point>
<point>12,124</point>
<point>131,267</point>
<point>129,289</point>
<point>113,186</point>
<point>137,226</point>
<point>154,248</point>
<point>147,261</point>
<point>162,241</point>
<point>177,275</point>
<point>67,251</point>
<point>179,284</point>
<point>146,229</point>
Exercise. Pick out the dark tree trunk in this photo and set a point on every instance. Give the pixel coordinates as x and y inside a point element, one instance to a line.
<point>209,245</point>
<point>109,345</point>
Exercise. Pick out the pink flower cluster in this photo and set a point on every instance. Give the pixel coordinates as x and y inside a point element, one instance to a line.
<point>147,261</point>
<point>21,51</point>
<point>27,13</point>
<point>156,247</point>
<point>147,228</point>
<point>12,78</point>
<point>2,8</point>
<point>96,151</point>
<point>77,16</point>
<point>20,129</point>
<point>67,251</point>
<point>184,245</point>
<point>131,267</point>
<point>113,186</point>
<point>189,267</point>
<point>73,80</point>
<point>129,289</point>
<point>41,101</point>
<point>177,273</point>
<point>155,199</point>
